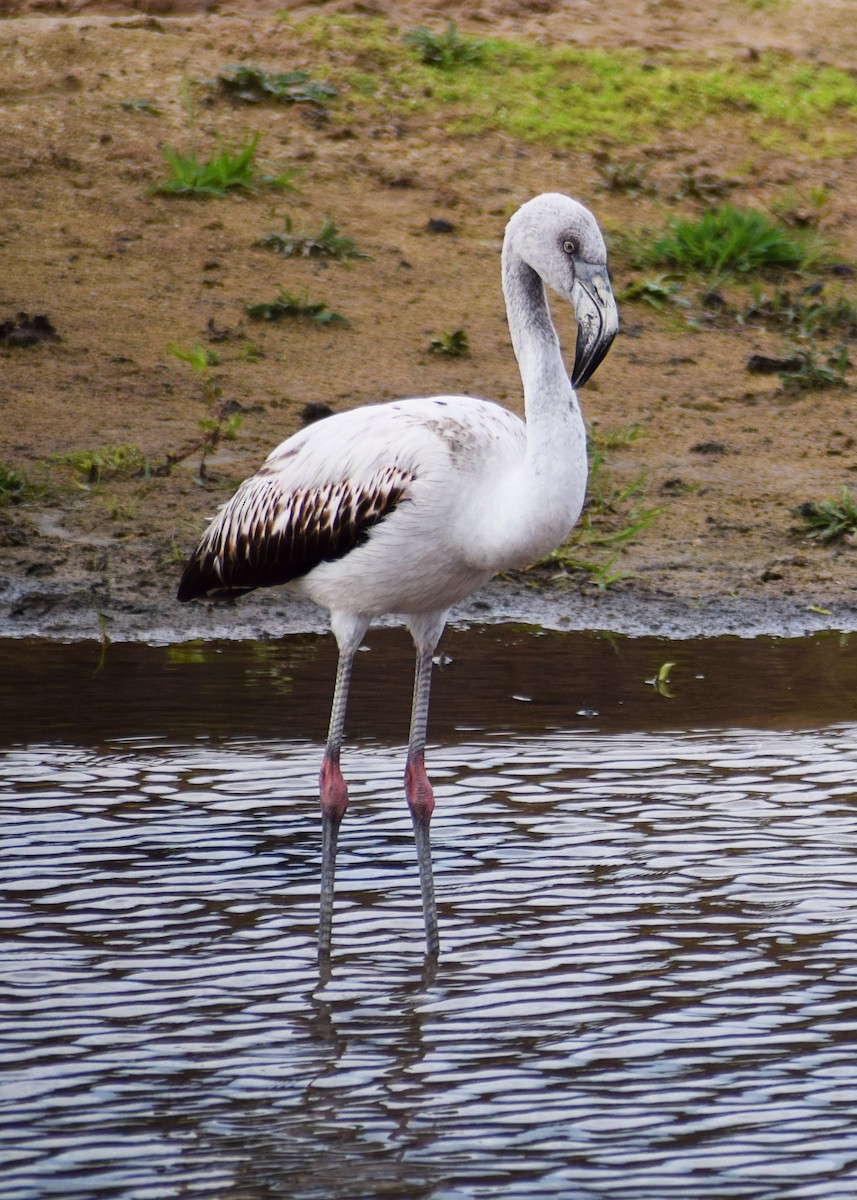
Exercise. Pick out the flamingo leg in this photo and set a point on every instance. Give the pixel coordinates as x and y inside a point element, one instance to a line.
<point>420,796</point>
<point>334,800</point>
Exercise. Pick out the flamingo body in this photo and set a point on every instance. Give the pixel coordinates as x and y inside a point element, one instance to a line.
<point>408,507</point>
<point>396,508</point>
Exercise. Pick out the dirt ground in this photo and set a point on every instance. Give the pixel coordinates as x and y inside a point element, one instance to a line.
<point>120,274</point>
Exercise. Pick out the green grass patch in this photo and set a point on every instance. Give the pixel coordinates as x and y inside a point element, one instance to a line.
<point>107,462</point>
<point>228,169</point>
<point>564,94</point>
<point>730,240</point>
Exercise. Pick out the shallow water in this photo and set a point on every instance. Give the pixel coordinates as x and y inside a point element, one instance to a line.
<point>648,910</point>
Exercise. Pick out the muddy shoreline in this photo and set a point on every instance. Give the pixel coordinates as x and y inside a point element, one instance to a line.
<point>53,612</point>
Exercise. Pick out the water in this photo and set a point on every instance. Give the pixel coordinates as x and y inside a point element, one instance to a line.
<point>648,911</point>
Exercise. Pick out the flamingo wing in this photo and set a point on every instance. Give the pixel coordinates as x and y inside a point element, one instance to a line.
<point>269,534</point>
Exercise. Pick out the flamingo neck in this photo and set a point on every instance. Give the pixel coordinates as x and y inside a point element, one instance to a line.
<point>550,402</point>
<point>530,505</point>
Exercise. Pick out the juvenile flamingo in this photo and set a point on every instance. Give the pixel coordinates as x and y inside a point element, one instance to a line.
<point>408,507</point>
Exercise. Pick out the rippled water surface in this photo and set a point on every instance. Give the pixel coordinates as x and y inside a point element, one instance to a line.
<point>648,906</point>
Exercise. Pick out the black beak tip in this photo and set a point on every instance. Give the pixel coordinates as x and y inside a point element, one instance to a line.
<point>588,358</point>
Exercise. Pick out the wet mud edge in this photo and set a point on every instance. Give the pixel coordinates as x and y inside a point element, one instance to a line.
<point>50,611</point>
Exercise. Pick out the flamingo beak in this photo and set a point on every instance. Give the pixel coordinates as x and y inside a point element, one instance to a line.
<point>597,319</point>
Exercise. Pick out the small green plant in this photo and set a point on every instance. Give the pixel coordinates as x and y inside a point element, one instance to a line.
<point>814,371</point>
<point>809,311</point>
<point>221,422</point>
<point>446,50</point>
<point>249,352</point>
<point>595,526</point>
<point>287,304</point>
<point>599,442</point>
<point>601,574</point>
<point>328,242</point>
<point>803,207</point>
<point>198,358</point>
<point>251,85</point>
<point>107,462</point>
<point>147,107</point>
<point>662,291</point>
<point>702,185</point>
<point>15,488</point>
<point>628,176</point>
<point>120,508</point>
<point>728,240</point>
<point>451,344</point>
<point>830,520</point>
<point>228,169</point>
<point>825,316</point>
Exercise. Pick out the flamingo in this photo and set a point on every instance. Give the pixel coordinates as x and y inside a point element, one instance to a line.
<point>407,507</point>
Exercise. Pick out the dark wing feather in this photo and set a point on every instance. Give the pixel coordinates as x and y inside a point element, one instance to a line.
<point>265,536</point>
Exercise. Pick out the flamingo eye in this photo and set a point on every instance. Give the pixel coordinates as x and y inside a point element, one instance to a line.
<point>569,246</point>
